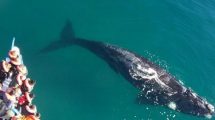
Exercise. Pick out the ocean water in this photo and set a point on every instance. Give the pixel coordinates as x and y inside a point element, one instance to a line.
<point>74,84</point>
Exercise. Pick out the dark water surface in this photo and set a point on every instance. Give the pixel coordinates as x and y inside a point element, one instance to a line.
<point>74,84</point>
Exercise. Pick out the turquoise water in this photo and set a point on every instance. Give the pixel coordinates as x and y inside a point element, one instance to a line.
<point>74,84</point>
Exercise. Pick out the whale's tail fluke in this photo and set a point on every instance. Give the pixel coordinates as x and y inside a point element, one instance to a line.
<point>66,38</point>
<point>67,33</point>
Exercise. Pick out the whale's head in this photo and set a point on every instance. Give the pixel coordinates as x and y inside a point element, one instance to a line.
<point>191,103</point>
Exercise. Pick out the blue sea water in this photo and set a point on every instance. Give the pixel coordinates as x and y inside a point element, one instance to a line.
<point>74,84</point>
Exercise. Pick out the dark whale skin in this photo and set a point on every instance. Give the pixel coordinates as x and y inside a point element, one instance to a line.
<point>157,86</point>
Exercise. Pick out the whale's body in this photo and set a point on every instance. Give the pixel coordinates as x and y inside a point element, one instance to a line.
<point>156,84</point>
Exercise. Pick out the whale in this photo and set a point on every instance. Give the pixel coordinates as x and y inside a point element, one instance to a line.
<point>157,86</point>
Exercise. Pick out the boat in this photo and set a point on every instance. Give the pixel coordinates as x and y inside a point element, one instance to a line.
<point>15,88</point>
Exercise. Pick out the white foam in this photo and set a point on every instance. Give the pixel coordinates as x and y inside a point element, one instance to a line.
<point>208,116</point>
<point>180,81</point>
<point>172,105</point>
<point>173,116</point>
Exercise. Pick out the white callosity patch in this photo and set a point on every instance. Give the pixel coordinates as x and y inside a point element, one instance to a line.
<point>194,95</point>
<point>172,105</point>
<point>141,71</point>
<point>211,107</point>
<point>138,68</point>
